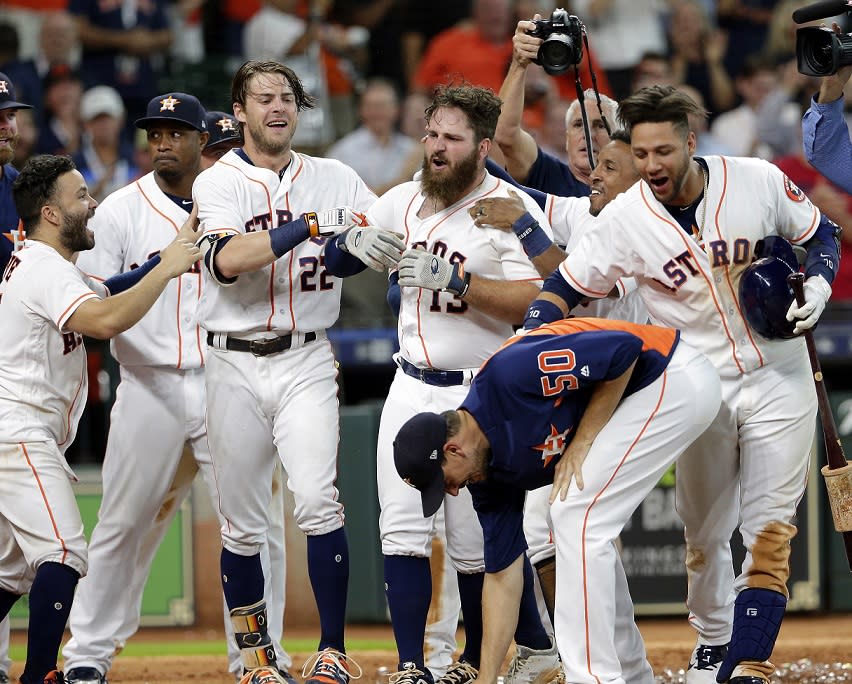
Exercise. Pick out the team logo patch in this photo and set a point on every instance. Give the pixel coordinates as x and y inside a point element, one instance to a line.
<point>168,103</point>
<point>793,191</point>
<point>225,125</point>
<point>553,445</point>
<point>3,87</point>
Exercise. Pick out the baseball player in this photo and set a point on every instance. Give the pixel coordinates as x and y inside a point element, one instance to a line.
<point>224,132</point>
<point>460,291</point>
<point>162,381</point>
<point>47,304</point>
<point>600,408</point>
<point>271,288</point>
<point>11,235</point>
<point>687,232</point>
<point>570,218</point>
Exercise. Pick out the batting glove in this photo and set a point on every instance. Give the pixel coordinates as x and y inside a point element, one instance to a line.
<point>379,249</point>
<point>418,268</point>
<point>817,291</point>
<point>334,221</point>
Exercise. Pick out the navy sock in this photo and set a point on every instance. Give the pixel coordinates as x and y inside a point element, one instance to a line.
<point>470,595</point>
<point>408,587</point>
<point>50,603</point>
<point>328,568</point>
<point>530,631</point>
<point>7,600</point>
<point>242,579</point>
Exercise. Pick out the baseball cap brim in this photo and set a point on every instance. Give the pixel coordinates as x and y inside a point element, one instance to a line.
<point>145,122</point>
<point>418,454</point>
<point>10,104</point>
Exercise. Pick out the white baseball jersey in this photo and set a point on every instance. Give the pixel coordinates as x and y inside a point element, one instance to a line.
<point>43,376</point>
<point>132,225</point>
<point>295,292</point>
<point>690,285</point>
<point>570,219</point>
<point>432,325</point>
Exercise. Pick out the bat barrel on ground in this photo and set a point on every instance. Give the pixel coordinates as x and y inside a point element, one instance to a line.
<point>837,473</point>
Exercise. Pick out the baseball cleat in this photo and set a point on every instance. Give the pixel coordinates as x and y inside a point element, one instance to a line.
<point>528,665</point>
<point>84,675</point>
<point>409,673</point>
<point>267,674</point>
<point>330,667</point>
<point>54,677</point>
<point>4,678</point>
<point>459,672</point>
<point>704,663</point>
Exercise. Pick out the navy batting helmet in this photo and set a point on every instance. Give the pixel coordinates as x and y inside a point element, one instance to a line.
<point>765,296</point>
<point>776,246</point>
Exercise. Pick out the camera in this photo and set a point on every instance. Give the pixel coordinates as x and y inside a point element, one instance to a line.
<point>563,41</point>
<point>821,51</point>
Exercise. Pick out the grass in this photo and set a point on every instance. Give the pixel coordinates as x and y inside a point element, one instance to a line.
<point>203,647</point>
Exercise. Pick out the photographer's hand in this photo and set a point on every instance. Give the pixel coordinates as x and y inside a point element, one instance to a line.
<point>832,86</point>
<point>524,46</point>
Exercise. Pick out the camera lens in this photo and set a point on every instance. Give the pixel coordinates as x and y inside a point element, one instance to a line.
<point>557,54</point>
<point>821,52</point>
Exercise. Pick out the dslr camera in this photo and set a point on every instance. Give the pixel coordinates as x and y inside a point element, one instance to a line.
<point>563,41</point>
<point>821,51</point>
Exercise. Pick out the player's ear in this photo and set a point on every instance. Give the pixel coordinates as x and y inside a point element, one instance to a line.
<point>691,142</point>
<point>484,148</point>
<point>203,138</point>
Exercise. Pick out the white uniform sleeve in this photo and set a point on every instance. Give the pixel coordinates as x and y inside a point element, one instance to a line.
<point>564,214</point>
<point>797,218</point>
<point>106,259</point>
<point>218,204</point>
<point>57,295</point>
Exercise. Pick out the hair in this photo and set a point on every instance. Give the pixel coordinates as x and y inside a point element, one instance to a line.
<point>621,135</point>
<point>608,105</point>
<point>659,104</point>
<point>240,83</point>
<point>481,106</point>
<point>35,186</point>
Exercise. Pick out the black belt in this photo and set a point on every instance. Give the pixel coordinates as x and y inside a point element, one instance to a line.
<point>263,347</point>
<point>438,378</point>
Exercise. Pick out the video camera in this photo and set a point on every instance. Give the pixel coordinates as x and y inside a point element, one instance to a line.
<point>563,41</point>
<point>820,51</point>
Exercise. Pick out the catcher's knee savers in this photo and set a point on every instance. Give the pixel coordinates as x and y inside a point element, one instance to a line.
<point>250,632</point>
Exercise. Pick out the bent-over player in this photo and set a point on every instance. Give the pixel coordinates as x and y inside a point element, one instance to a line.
<point>271,287</point>
<point>461,290</point>
<point>687,232</point>
<point>600,408</point>
<point>47,304</point>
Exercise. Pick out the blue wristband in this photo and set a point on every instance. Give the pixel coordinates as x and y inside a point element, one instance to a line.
<point>284,238</point>
<point>540,312</point>
<point>124,281</point>
<point>533,239</point>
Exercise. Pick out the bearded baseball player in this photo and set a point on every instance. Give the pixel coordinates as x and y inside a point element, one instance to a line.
<point>687,232</point>
<point>570,218</point>
<point>162,379</point>
<point>271,289</point>
<point>600,409</point>
<point>460,291</point>
<point>47,304</point>
<point>10,238</point>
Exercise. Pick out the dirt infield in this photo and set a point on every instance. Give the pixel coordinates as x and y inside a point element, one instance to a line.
<point>820,639</point>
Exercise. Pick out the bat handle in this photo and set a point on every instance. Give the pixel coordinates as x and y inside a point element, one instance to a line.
<point>797,283</point>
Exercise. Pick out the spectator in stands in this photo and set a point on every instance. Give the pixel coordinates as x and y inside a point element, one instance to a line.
<point>551,138</point>
<point>377,150</point>
<point>697,51</point>
<point>27,16</point>
<point>105,161</point>
<point>705,142</point>
<point>123,44</point>
<point>747,24</point>
<point>621,32</point>
<point>421,22</point>
<point>61,129</point>
<point>27,137</point>
<point>653,68</point>
<point>412,121</point>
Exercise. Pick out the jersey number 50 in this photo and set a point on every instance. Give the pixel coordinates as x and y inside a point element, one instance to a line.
<point>557,361</point>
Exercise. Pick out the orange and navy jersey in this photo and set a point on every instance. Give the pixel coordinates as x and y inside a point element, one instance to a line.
<point>528,399</point>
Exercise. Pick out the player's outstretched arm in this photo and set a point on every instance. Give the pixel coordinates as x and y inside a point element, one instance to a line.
<point>501,598</point>
<point>517,145</point>
<point>105,318</point>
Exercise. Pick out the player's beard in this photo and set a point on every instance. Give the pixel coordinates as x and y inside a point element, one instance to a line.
<point>7,154</point>
<point>450,185</point>
<point>74,235</point>
<point>267,146</point>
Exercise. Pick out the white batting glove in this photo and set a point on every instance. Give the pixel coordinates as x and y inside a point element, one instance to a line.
<point>379,249</point>
<point>817,291</point>
<point>334,221</point>
<point>418,268</point>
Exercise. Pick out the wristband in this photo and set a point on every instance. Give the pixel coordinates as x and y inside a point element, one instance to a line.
<point>313,224</point>
<point>533,239</point>
<point>284,238</point>
<point>540,312</point>
<point>459,281</point>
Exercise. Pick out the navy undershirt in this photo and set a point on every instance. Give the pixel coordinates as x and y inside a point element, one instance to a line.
<point>686,216</point>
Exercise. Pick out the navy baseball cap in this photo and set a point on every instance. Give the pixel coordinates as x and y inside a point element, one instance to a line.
<point>175,107</point>
<point>223,128</point>
<point>7,95</point>
<point>418,451</point>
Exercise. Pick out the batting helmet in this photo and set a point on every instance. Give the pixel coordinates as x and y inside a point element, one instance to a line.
<point>765,296</point>
<point>778,247</point>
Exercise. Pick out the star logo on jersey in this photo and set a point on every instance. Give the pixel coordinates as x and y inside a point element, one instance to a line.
<point>553,445</point>
<point>168,103</point>
<point>793,191</point>
<point>16,237</point>
<point>3,87</point>
<point>225,124</point>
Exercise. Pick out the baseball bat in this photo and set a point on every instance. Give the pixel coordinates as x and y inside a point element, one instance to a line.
<point>834,454</point>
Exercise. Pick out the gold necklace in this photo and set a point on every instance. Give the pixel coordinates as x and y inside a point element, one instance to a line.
<point>705,174</point>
